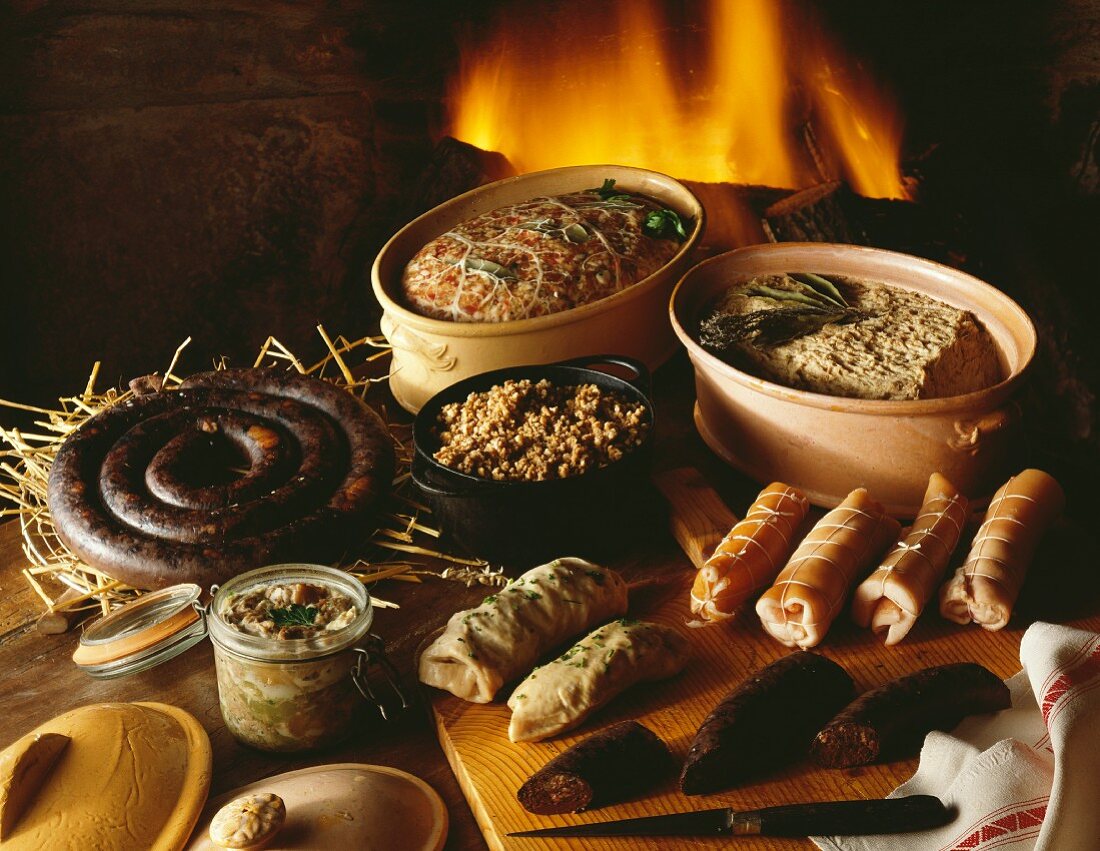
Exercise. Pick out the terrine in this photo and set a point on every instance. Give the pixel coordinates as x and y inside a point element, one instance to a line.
<point>890,343</point>
<point>543,256</point>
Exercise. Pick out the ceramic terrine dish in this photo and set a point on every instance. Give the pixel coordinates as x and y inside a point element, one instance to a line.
<point>836,366</point>
<point>538,268</point>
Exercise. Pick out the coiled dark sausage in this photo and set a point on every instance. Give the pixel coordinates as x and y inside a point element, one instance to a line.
<point>125,496</point>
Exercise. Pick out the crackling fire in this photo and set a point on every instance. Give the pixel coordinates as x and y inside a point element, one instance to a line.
<point>732,91</point>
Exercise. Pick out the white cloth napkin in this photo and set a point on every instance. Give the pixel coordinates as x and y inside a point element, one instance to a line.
<point>1026,778</point>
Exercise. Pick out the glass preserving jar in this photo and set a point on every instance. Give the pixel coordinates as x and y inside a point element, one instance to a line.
<point>292,694</point>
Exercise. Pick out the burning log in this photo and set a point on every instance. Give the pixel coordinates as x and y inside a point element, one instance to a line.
<point>832,212</point>
<point>733,213</point>
<point>455,167</point>
<point>827,212</point>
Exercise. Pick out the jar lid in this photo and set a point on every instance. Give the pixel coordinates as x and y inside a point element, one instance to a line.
<point>261,648</point>
<point>152,629</point>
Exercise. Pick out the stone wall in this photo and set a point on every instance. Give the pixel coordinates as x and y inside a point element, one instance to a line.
<point>219,170</point>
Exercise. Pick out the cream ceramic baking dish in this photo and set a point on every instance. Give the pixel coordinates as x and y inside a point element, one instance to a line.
<point>828,445</point>
<point>431,354</point>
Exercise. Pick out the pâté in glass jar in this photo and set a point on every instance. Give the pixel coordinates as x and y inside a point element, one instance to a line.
<point>290,645</point>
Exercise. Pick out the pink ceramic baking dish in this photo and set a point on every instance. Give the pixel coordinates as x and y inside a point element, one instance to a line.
<point>828,445</point>
<point>431,354</point>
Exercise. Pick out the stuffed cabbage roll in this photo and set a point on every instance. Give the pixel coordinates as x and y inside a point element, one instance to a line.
<point>483,648</point>
<point>561,694</point>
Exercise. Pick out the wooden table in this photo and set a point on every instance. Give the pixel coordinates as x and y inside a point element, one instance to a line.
<point>40,680</point>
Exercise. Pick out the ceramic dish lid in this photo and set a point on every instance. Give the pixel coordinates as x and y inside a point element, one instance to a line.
<point>152,629</point>
<point>345,806</point>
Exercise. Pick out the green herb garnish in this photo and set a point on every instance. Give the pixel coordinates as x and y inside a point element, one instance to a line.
<point>533,595</point>
<point>571,652</point>
<point>607,191</point>
<point>822,285</point>
<point>720,332</point>
<point>798,296</point>
<point>613,198</point>
<point>664,224</point>
<point>294,615</point>
<point>811,304</point>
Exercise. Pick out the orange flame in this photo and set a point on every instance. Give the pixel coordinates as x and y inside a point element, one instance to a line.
<point>619,83</point>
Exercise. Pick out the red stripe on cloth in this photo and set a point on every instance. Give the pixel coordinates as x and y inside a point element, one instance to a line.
<point>1070,679</point>
<point>1079,656</point>
<point>1000,829</point>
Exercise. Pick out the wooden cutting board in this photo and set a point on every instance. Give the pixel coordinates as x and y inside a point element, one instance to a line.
<point>490,768</point>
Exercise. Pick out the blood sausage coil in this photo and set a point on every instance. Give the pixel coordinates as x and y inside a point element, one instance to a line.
<point>891,598</point>
<point>141,491</point>
<point>751,555</point>
<point>809,592</point>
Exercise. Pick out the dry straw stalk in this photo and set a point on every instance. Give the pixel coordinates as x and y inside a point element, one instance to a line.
<point>400,549</point>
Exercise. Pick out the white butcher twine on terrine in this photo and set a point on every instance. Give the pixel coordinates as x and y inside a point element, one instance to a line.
<point>540,257</point>
<point>908,346</point>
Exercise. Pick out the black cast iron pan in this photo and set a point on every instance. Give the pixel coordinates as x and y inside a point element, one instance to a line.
<point>524,523</point>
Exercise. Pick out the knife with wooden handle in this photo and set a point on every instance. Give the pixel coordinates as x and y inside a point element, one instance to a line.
<point>830,818</point>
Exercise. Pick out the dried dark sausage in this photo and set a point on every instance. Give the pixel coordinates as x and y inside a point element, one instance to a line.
<point>892,720</point>
<point>319,462</point>
<point>143,481</point>
<point>765,723</point>
<point>612,765</point>
<point>169,474</point>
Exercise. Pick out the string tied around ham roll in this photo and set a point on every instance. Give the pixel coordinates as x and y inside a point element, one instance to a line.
<point>750,555</point>
<point>809,591</point>
<point>891,599</point>
<point>145,491</point>
<point>985,588</point>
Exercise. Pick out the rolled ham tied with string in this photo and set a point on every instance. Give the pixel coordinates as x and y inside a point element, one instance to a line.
<point>810,591</point>
<point>144,492</point>
<point>750,555</point>
<point>985,588</point>
<point>891,599</point>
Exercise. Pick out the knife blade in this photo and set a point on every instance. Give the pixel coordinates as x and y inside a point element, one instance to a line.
<point>829,818</point>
